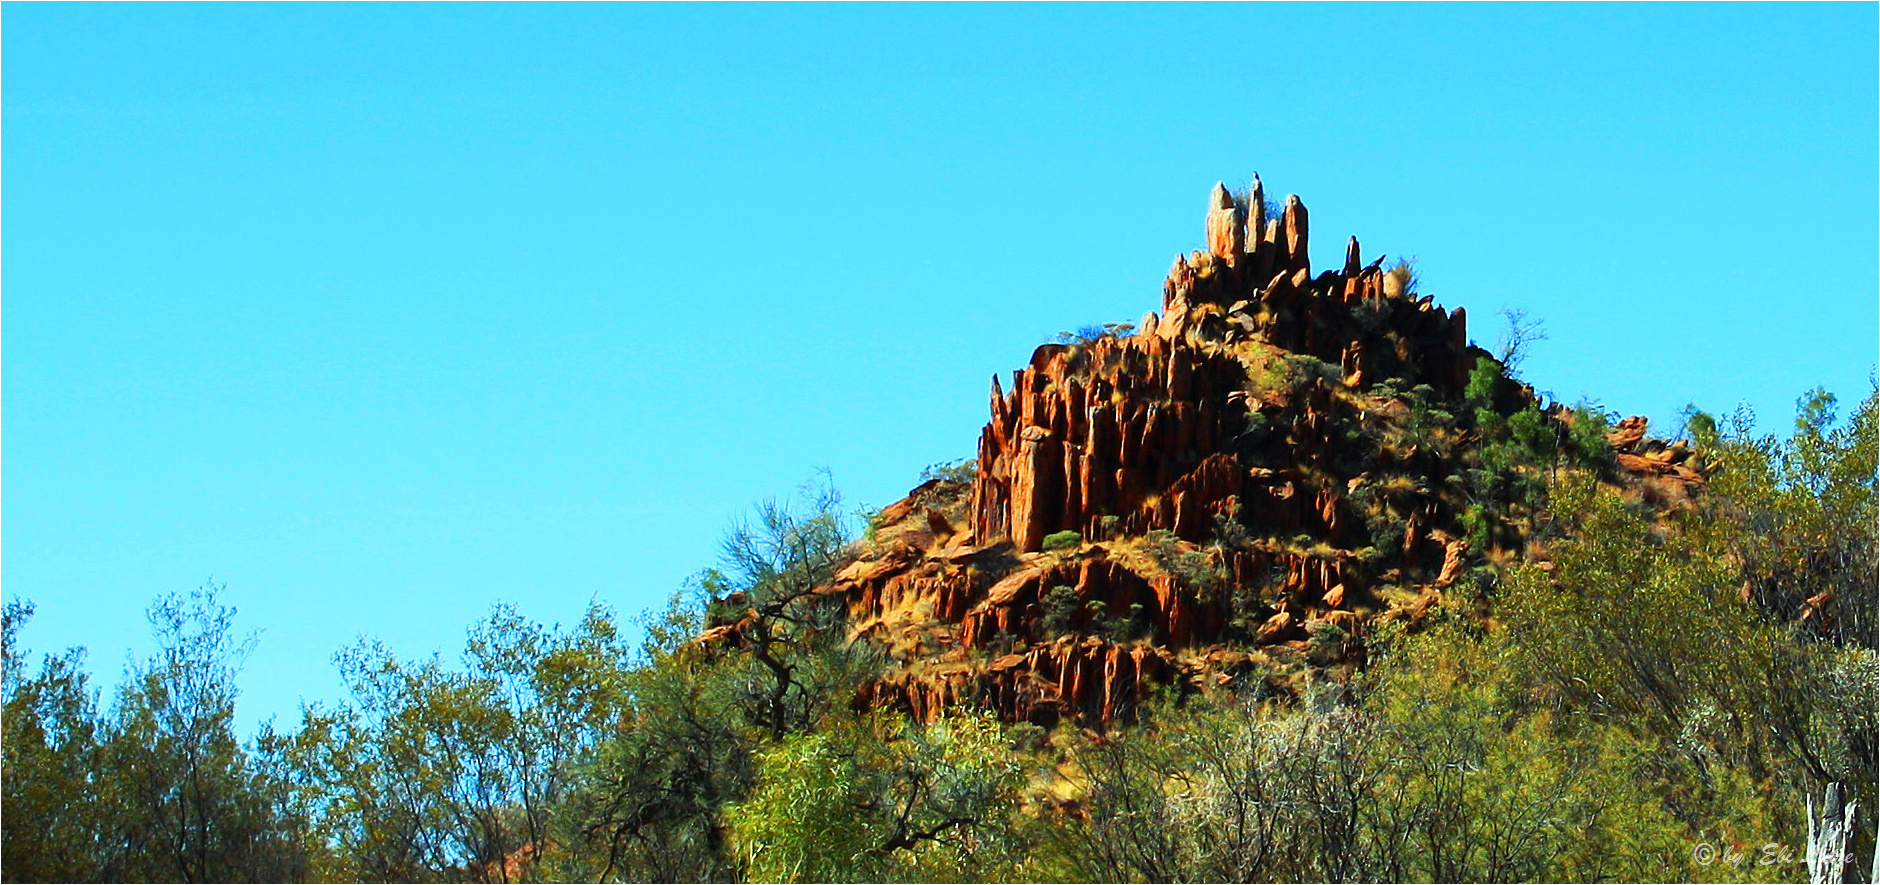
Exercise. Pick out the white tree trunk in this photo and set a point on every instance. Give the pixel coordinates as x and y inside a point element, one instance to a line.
<point>1828,834</point>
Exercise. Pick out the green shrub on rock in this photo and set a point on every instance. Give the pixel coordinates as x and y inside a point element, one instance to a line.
<point>1064,540</point>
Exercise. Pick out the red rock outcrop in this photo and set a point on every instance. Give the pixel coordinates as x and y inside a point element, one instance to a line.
<point>1124,427</point>
<point>1243,494</point>
<point>1663,473</point>
<point>1086,680</point>
<point>1117,428</point>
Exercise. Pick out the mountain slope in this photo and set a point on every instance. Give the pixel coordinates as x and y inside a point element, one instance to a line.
<point>1241,490</point>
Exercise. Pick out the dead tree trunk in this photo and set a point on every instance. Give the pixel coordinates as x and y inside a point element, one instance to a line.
<point>1828,832</point>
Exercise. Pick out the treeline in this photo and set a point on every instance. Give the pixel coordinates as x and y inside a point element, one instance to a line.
<point>1663,684</point>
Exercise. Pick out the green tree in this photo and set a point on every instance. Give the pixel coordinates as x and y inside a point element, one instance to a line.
<point>1794,519</point>
<point>650,800</point>
<point>1431,768</point>
<point>876,798</point>
<point>438,773</point>
<point>791,637</point>
<point>777,661</point>
<point>1471,785</point>
<point>182,799</point>
<point>1226,789</point>
<point>1641,621</point>
<point>49,824</point>
<point>1801,511</point>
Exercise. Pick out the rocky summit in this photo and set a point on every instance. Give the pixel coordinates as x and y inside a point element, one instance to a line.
<point>1246,487</point>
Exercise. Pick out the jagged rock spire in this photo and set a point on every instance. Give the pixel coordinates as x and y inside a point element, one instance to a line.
<point>1226,231</point>
<point>1294,233</point>
<point>1256,214</point>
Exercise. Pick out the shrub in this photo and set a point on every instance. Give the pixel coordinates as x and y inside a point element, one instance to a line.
<point>1386,533</point>
<point>1310,368</point>
<point>1389,388</point>
<point>1372,315</point>
<point>1122,630</point>
<point>1229,531</point>
<point>1197,569</point>
<point>960,471</point>
<point>1518,338</point>
<point>1586,439</point>
<point>1259,427</point>
<point>1069,539</point>
<point>1426,776</point>
<point>879,799</point>
<point>1425,415</point>
<point>1404,274</point>
<point>1325,642</point>
<point>1091,334</point>
<point>1484,380</point>
<point>1471,792</point>
<point>1266,371</point>
<point>1531,433</point>
<point>1475,521</point>
<point>1060,609</point>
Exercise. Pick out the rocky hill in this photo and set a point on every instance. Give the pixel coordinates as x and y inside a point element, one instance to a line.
<point>1243,489</point>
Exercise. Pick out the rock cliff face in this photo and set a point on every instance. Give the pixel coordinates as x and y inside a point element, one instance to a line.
<point>1238,491</point>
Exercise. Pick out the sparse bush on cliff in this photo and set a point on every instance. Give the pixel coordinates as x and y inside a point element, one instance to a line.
<point>1059,605</point>
<point>1069,539</point>
<point>1402,279</point>
<point>1199,570</point>
<point>1518,338</point>
<point>1486,378</point>
<point>1120,628</point>
<point>1091,334</point>
<point>1229,531</point>
<point>1586,436</point>
<point>961,471</point>
<point>1309,369</point>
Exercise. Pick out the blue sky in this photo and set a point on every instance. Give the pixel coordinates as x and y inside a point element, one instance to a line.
<point>382,314</point>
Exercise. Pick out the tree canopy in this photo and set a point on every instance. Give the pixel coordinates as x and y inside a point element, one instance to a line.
<point>1662,683</point>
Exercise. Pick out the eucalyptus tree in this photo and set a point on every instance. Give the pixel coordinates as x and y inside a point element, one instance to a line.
<point>439,773</point>
<point>49,759</point>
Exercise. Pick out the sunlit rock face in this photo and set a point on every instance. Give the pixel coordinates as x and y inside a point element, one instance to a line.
<point>1235,491</point>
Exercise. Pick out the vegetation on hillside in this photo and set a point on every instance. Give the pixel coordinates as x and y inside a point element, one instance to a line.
<point>1656,698</point>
